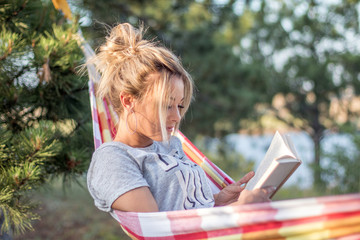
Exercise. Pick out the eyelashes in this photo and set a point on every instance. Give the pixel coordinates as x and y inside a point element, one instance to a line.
<point>179,106</point>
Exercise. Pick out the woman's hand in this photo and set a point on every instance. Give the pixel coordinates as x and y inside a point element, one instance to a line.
<point>231,193</point>
<point>236,193</point>
<point>255,196</point>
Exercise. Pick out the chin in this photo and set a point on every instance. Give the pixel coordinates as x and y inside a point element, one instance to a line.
<point>158,136</point>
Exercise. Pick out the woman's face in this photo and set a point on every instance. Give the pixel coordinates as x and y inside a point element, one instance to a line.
<point>147,124</point>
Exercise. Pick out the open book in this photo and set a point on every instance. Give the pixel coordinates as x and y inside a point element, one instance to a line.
<point>278,165</point>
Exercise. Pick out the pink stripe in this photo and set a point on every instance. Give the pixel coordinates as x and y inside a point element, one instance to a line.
<point>130,221</point>
<point>108,118</point>
<point>339,198</point>
<point>184,221</point>
<point>346,206</point>
<point>95,118</point>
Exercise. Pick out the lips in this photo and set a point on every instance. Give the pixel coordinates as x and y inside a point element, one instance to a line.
<point>170,129</point>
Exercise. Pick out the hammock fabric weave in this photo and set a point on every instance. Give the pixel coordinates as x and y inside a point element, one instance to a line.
<point>331,217</point>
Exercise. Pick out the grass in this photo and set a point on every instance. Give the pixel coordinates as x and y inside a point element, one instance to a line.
<point>70,214</point>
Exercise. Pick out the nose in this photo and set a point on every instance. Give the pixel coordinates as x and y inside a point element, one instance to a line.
<point>175,115</point>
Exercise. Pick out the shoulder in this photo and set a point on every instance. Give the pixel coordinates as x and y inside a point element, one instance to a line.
<point>110,148</point>
<point>112,160</point>
<point>110,154</point>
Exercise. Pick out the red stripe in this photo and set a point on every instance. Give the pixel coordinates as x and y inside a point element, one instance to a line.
<point>186,224</point>
<point>197,235</point>
<point>224,232</point>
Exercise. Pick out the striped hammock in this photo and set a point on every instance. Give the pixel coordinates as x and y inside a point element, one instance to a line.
<point>332,217</point>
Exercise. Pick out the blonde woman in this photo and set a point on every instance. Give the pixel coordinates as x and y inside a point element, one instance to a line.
<point>145,169</point>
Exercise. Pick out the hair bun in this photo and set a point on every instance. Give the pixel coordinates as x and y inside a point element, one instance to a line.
<point>124,42</point>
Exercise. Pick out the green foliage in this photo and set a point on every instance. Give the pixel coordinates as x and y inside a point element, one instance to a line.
<point>23,161</point>
<point>44,111</point>
<point>342,171</point>
<point>295,191</point>
<point>225,157</point>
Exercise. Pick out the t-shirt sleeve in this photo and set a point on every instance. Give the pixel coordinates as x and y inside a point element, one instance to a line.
<point>111,174</point>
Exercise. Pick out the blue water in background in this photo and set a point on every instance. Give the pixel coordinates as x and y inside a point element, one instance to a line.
<point>254,147</point>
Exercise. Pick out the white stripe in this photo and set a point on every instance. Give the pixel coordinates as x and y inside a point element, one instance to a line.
<point>218,218</point>
<point>155,225</point>
<point>297,209</point>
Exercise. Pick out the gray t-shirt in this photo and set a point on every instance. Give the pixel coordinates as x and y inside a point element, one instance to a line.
<point>175,181</point>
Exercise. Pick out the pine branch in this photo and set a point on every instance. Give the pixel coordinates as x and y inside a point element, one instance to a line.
<point>32,150</point>
<point>16,12</point>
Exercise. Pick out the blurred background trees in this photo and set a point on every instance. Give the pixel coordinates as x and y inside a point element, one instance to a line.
<point>291,61</point>
<point>206,35</point>
<point>258,65</point>
<point>314,48</point>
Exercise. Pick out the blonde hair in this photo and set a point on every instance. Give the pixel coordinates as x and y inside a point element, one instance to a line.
<point>126,62</point>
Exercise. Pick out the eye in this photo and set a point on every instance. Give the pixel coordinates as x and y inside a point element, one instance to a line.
<point>181,106</point>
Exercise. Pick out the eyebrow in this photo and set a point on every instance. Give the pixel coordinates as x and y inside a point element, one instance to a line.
<point>172,98</point>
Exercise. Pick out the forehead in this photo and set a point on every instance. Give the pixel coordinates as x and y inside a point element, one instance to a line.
<point>177,84</point>
<point>169,82</point>
<point>161,88</point>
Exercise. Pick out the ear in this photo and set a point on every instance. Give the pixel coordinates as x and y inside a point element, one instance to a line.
<point>127,101</point>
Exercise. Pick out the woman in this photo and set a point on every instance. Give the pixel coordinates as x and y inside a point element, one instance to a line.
<point>145,169</point>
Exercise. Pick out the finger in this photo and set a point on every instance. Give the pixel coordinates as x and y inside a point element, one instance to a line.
<point>246,178</point>
<point>234,188</point>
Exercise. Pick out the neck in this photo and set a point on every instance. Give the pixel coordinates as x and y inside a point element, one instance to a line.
<point>132,139</point>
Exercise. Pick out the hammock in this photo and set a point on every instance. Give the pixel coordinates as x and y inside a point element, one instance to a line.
<point>331,217</point>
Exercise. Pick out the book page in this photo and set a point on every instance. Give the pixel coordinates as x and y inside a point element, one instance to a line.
<point>278,149</point>
<point>277,173</point>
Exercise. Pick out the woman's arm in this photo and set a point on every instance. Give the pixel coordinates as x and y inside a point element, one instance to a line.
<point>136,200</point>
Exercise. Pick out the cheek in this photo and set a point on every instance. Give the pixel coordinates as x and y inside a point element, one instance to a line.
<point>149,120</point>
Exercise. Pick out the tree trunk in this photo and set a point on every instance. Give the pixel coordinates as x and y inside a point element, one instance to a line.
<point>319,184</point>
